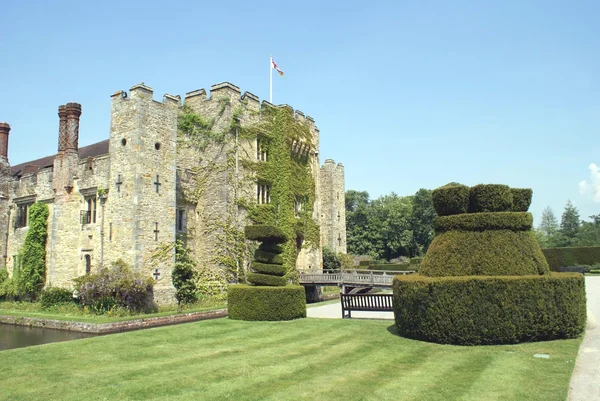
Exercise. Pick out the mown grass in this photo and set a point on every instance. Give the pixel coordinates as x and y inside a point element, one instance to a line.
<point>72,312</point>
<point>306,359</point>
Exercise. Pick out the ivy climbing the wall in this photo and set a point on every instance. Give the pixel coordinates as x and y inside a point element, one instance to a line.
<point>287,171</point>
<point>32,256</point>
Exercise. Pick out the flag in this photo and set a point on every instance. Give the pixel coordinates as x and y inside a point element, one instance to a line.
<point>276,68</point>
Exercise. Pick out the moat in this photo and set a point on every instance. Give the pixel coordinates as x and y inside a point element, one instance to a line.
<point>12,336</point>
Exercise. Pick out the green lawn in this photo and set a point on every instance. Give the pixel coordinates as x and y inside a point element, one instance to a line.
<point>306,359</point>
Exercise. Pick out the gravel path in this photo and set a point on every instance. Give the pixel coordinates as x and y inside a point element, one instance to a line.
<point>585,382</point>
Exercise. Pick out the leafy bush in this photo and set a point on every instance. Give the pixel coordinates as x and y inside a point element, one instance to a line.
<point>268,234</point>
<point>184,275</point>
<point>490,310</point>
<point>571,256</point>
<point>268,257</point>
<point>486,253</point>
<point>55,295</point>
<point>521,199</point>
<point>451,199</point>
<point>266,279</point>
<point>266,303</point>
<point>267,268</point>
<point>516,221</point>
<point>3,275</point>
<point>330,260</point>
<point>490,198</point>
<point>32,274</point>
<point>9,290</point>
<point>118,286</point>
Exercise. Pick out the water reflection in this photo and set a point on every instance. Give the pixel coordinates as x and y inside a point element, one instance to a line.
<point>21,336</point>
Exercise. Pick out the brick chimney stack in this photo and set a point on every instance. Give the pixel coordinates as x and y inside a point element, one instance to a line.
<point>4,130</point>
<point>62,129</point>
<point>73,111</point>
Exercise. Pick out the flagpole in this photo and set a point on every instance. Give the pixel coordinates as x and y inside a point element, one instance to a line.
<point>271,79</point>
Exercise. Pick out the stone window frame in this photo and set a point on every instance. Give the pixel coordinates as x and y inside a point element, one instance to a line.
<point>22,211</point>
<point>261,152</point>
<point>180,221</point>
<point>90,200</point>
<point>263,193</point>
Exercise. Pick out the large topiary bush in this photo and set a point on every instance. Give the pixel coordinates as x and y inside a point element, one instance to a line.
<point>484,279</point>
<point>269,297</point>
<point>451,199</point>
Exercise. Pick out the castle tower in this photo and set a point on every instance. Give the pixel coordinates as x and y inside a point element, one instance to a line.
<point>5,186</point>
<point>141,203</point>
<point>333,206</point>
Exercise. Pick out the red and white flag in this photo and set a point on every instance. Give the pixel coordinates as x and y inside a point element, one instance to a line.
<point>273,65</point>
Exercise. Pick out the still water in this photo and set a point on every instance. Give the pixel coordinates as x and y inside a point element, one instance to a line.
<point>20,336</point>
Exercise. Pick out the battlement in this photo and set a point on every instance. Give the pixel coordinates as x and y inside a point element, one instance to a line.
<point>145,93</point>
<point>247,99</point>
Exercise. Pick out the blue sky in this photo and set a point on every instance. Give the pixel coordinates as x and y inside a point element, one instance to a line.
<point>407,95</point>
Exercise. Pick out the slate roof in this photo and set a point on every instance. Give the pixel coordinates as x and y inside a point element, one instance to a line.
<point>93,150</point>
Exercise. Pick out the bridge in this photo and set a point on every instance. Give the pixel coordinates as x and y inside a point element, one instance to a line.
<point>350,279</point>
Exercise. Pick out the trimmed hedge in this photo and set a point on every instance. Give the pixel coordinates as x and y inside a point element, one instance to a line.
<point>268,234</point>
<point>266,303</point>
<point>272,248</point>
<point>268,257</point>
<point>521,199</point>
<point>490,198</point>
<point>486,253</point>
<point>266,280</point>
<point>516,221</point>
<point>392,266</point>
<point>571,256</point>
<point>55,295</point>
<point>490,310</point>
<point>451,199</point>
<point>267,268</point>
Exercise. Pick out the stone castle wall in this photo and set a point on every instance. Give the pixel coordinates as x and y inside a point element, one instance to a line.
<point>132,218</point>
<point>333,206</point>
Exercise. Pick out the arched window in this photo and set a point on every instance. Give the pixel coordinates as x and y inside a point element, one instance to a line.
<point>88,264</point>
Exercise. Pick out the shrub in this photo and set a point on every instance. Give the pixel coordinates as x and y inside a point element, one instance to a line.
<point>516,221</point>
<point>118,286</point>
<point>268,234</point>
<point>184,275</point>
<point>9,290</point>
<point>486,253</point>
<point>571,256</point>
<point>267,268</point>
<point>3,275</point>
<point>272,248</point>
<point>451,199</point>
<point>268,257</point>
<point>490,198</point>
<point>266,303</point>
<point>392,266</point>
<point>490,310</point>
<point>32,273</point>
<point>521,199</point>
<point>266,280</point>
<point>55,295</point>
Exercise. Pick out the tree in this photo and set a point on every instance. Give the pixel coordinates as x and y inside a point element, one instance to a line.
<point>569,223</point>
<point>549,224</point>
<point>362,234</point>
<point>184,275</point>
<point>330,260</point>
<point>423,216</point>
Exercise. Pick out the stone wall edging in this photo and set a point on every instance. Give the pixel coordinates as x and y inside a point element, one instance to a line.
<point>116,327</point>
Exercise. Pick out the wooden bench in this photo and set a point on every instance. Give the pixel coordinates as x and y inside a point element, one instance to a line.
<point>365,303</point>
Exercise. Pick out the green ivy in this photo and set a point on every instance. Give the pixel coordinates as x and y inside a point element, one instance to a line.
<point>32,256</point>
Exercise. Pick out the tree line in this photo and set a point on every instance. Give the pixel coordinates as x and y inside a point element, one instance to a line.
<point>572,231</point>
<point>392,226</point>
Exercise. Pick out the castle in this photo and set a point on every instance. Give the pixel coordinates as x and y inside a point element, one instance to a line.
<point>153,181</point>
